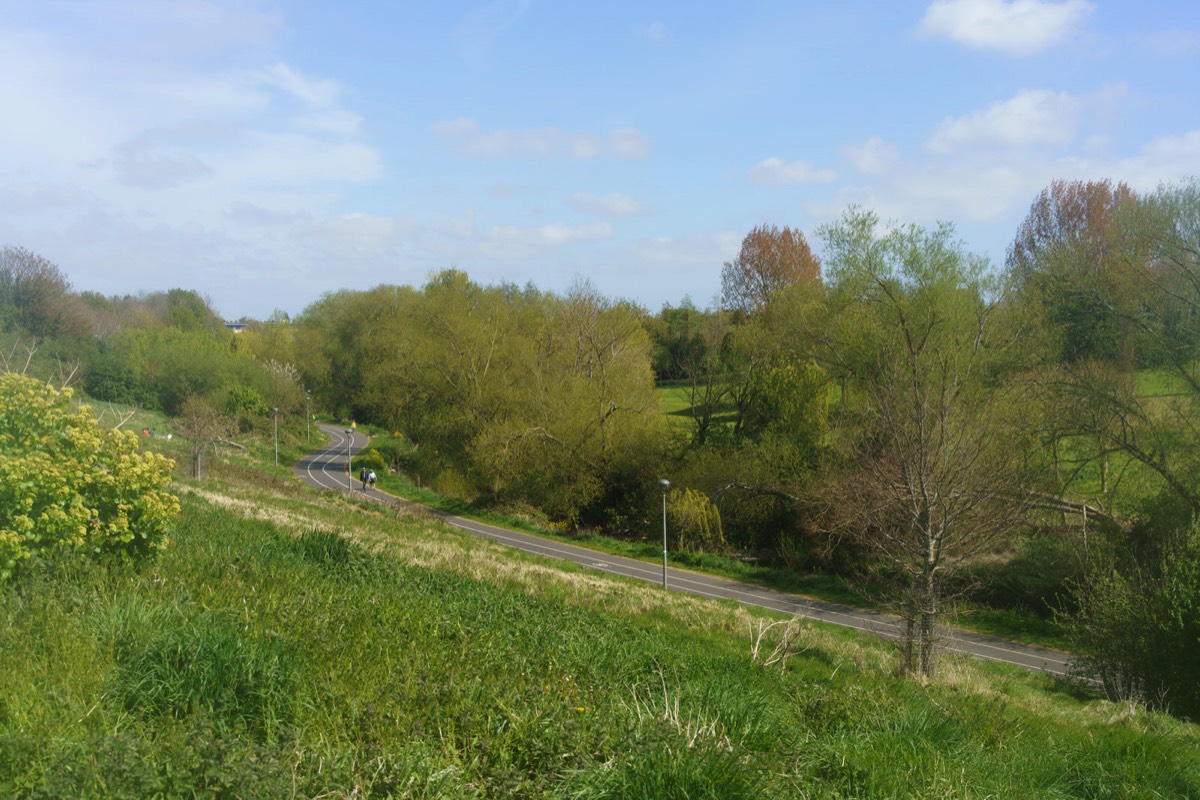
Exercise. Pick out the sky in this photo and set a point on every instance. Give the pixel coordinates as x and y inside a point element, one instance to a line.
<point>266,153</point>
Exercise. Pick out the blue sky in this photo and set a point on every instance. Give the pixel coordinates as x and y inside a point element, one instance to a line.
<point>264,153</point>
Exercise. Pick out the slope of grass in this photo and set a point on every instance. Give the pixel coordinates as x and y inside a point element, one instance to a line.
<point>298,646</point>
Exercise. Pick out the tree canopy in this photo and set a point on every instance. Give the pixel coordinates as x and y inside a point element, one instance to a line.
<point>769,261</point>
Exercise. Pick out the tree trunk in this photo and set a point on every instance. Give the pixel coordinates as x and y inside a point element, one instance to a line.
<point>928,625</point>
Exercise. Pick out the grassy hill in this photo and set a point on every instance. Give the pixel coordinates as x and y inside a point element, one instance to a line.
<point>291,644</point>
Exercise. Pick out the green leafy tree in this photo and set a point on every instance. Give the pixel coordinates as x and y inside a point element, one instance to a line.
<point>1160,433</point>
<point>36,297</point>
<point>1069,251</point>
<point>68,486</point>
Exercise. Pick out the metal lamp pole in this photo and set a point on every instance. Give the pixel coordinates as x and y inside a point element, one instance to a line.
<point>349,477</point>
<point>308,413</point>
<point>665,484</point>
<point>276,410</point>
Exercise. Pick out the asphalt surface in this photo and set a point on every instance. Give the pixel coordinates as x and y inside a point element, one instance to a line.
<point>325,468</point>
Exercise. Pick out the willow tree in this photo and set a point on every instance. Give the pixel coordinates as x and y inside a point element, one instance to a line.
<point>932,471</point>
<point>582,431</point>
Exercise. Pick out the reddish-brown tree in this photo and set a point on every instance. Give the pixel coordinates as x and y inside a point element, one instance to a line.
<point>770,260</point>
<point>1069,249</point>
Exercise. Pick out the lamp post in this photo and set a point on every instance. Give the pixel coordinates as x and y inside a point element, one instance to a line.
<point>276,410</point>
<point>308,413</point>
<point>349,477</point>
<point>665,484</point>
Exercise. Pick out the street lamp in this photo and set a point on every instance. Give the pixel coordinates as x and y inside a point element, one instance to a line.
<point>665,484</point>
<point>308,413</point>
<point>349,477</point>
<point>276,410</point>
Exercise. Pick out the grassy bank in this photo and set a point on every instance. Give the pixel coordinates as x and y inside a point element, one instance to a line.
<point>297,646</point>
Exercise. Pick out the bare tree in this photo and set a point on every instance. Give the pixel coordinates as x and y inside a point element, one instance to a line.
<point>934,476</point>
<point>202,425</point>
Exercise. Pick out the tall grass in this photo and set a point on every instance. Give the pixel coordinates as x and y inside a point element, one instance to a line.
<point>288,647</point>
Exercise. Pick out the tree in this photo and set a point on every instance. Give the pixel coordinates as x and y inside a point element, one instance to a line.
<point>1069,250</point>
<point>203,427</point>
<point>932,470</point>
<point>35,296</point>
<point>1161,254</point>
<point>70,487</point>
<point>770,259</point>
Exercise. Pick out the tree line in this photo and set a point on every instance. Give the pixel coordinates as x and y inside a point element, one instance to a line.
<point>898,401</point>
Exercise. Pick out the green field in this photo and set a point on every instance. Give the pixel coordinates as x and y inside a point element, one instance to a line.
<point>291,644</point>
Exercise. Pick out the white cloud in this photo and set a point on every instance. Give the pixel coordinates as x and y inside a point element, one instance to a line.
<point>551,235</point>
<point>319,93</point>
<point>629,143</point>
<point>1031,117</point>
<point>873,156</point>
<point>465,133</point>
<point>689,251</point>
<point>614,204</point>
<point>149,170</point>
<point>777,172</point>
<point>1016,27</point>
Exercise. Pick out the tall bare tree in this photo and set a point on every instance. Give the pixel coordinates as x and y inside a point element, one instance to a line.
<point>932,475</point>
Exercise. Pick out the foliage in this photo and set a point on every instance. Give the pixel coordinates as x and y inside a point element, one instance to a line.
<point>932,478</point>
<point>203,427</point>
<point>369,459</point>
<point>69,486</point>
<point>1069,250</point>
<point>694,520</point>
<point>35,297</point>
<point>770,260</point>
<point>505,394</point>
<point>1101,400</point>
<point>1136,627</point>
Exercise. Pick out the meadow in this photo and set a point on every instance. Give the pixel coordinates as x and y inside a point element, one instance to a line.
<point>295,644</point>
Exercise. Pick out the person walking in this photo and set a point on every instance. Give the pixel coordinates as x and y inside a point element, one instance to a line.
<point>371,478</point>
<point>362,476</point>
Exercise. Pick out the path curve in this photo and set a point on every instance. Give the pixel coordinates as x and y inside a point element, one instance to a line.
<point>325,468</point>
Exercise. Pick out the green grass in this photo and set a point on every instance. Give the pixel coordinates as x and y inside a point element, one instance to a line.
<point>293,645</point>
<point>1160,383</point>
<point>674,397</point>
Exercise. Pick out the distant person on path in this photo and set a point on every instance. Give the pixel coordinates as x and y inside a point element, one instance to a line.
<point>371,478</point>
<point>362,476</point>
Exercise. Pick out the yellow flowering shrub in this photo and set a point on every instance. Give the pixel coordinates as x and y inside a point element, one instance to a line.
<point>68,484</point>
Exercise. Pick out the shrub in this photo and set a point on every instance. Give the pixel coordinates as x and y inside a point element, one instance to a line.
<point>67,485</point>
<point>1136,627</point>
<point>695,521</point>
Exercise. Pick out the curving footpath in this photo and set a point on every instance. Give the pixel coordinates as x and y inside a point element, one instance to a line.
<point>325,468</point>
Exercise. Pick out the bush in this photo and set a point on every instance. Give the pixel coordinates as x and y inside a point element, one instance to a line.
<point>1136,627</point>
<point>68,486</point>
<point>695,521</point>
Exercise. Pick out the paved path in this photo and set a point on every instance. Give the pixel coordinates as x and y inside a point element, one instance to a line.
<point>326,468</point>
